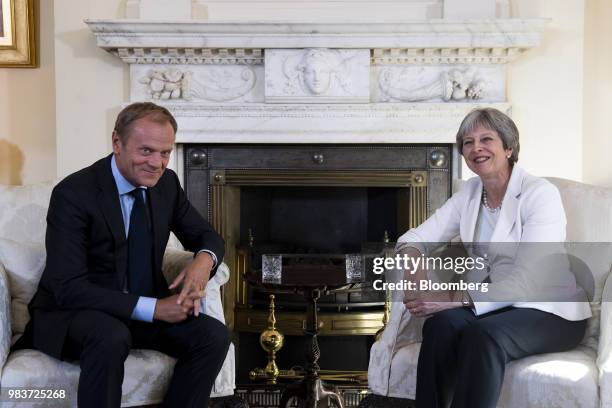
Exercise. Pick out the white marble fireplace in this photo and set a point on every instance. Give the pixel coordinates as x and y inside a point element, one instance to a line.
<point>238,87</point>
<point>318,82</point>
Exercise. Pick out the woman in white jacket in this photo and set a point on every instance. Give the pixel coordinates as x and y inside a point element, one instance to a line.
<point>469,336</point>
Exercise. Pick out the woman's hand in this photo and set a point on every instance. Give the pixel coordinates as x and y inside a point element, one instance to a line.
<point>425,303</point>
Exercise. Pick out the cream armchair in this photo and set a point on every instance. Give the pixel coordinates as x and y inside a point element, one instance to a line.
<point>22,259</point>
<point>578,378</point>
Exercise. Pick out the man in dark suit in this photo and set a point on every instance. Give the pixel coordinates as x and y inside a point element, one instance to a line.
<point>102,291</point>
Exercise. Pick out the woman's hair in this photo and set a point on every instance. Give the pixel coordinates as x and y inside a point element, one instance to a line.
<point>491,119</point>
<point>139,110</point>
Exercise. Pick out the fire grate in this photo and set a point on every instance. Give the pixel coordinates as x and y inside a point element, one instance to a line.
<point>268,396</point>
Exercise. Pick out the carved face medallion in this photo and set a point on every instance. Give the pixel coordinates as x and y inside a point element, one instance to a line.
<point>317,76</point>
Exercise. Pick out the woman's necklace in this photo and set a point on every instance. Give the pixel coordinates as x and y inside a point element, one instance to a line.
<point>486,203</point>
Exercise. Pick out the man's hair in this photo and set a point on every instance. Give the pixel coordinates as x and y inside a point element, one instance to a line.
<point>139,110</point>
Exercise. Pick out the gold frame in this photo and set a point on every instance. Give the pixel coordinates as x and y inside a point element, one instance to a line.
<point>19,50</point>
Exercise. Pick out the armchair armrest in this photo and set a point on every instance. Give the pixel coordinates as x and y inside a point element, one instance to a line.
<point>175,261</point>
<point>5,317</point>
<point>604,352</point>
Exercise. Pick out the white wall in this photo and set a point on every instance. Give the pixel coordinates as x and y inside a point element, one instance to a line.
<point>322,10</point>
<point>91,84</point>
<point>598,93</point>
<point>545,88</point>
<point>27,113</point>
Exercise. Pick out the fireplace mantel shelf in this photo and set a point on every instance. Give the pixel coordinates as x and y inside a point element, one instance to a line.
<point>517,34</point>
<point>245,82</point>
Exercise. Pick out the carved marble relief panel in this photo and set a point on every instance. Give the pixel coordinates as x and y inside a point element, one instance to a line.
<point>438,83</point>
<point>197,83</point>
<point>317,75</point>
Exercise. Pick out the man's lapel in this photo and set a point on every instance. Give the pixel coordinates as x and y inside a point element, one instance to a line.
<point>108,197</point>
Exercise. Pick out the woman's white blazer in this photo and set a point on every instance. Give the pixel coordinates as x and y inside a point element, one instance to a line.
<point>532,212</point>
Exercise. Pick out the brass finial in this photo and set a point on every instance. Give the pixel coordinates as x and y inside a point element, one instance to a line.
<point>271,315</point>
<point>385,319</point>
<point>251,238</point>
<point>271,341</point>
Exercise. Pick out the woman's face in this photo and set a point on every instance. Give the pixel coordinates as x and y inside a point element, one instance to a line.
<point>484,152</point>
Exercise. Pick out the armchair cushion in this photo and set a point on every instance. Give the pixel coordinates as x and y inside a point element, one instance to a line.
<point>5,317</point>
<point>587,209</point>
<point>567,379</point>
<point>589,220</point>
<point>591,262</point>
<point>24,264</point>
<point>23,211</point>
<point>604,355</point>
<point>147,375</point>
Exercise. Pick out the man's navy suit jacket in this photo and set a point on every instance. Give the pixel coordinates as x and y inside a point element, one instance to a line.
<point>87,250</point>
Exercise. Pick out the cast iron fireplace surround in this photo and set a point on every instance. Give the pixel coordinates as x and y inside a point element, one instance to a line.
<point>311,199</point>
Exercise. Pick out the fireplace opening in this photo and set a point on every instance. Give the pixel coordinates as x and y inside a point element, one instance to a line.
<point>334,199</point>
<point>317,219</point>
<point>311,199</point>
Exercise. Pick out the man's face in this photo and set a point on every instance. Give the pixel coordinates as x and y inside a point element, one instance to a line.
<point>145,154</point>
